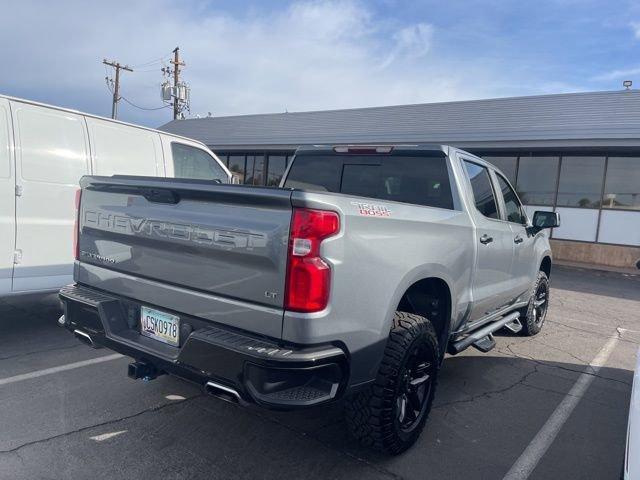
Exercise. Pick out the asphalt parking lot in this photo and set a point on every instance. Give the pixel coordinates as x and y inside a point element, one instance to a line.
<point>67,411</point>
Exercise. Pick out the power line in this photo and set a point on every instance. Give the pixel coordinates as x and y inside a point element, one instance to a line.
<point>143,108</point>
<point>151,62</point>
<point>148,70</point>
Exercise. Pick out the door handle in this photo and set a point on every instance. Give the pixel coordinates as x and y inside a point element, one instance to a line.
<point>518,239</point>
<point>484,239</point>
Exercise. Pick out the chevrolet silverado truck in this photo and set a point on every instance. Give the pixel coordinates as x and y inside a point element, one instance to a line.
<point>350,281</point>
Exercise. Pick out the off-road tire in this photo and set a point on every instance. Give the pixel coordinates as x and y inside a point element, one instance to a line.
<point>530,324</point>
<point>372,415</point>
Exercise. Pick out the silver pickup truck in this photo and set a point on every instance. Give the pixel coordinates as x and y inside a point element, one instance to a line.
<point>350,281</point>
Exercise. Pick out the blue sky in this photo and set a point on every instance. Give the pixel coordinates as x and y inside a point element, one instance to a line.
<point>272,56</point>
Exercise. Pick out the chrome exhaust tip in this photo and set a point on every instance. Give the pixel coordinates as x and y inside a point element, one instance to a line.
<point>221,391</point>
<point>84,338</point>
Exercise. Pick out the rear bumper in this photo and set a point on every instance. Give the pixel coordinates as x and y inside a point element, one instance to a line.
<point>255,369</point>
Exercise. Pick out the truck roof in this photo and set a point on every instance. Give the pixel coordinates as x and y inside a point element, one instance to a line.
<point>355,147</point>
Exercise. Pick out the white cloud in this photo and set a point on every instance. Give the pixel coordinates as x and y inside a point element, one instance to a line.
<point>623,74</point>
<point>414,40</point>
<point>411,42</point>
<point>318,54</point>
<point>636,29</point>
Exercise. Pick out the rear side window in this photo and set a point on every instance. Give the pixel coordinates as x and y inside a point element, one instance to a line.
<point>483,195</point>
<point>192,162</point>
<point>420,180</point>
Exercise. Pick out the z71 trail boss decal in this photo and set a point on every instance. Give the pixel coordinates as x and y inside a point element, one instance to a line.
<point>372,209</point>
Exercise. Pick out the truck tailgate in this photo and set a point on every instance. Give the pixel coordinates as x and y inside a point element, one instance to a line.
<point>226,241</point>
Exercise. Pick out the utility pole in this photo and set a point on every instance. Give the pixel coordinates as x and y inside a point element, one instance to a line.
<point>116,88</point>
<point>176,73</point>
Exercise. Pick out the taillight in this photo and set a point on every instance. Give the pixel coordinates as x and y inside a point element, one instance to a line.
<point>76,225</point>
<point>308,275</point>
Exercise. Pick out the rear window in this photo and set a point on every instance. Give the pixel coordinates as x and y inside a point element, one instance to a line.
<point>421,180</point>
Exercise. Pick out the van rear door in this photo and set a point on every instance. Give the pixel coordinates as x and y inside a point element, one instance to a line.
<point>52,153</point>
<point>7,199</point>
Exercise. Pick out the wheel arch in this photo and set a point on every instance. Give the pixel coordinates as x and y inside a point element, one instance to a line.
<point>545,265</point>
<point>430,297</point>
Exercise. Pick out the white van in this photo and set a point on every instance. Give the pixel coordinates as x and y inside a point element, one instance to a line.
<point>44,151</point>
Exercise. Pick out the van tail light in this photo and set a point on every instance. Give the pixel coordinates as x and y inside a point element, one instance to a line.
<point>76,226</point>
<point>308,275</point>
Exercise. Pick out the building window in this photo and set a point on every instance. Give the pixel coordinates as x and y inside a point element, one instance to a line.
<point>622,186</point>
<point>237,166</point>
<point>537,178</point>
<point>482,189</point>
<point>276,166</point>
<point>580,182</point>
<point>255,170</point>
<point>508,166</point>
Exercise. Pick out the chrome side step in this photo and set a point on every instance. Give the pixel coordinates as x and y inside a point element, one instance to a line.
<point>481,333</point>
<point>515,326</point>
<point>486,344</point>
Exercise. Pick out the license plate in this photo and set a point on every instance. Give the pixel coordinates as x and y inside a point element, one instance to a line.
<point>160,326</point>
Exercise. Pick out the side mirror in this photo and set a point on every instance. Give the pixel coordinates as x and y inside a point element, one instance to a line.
<point>543,219</point>
<point>235,179</point>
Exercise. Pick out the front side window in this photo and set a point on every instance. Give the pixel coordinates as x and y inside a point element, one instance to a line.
<point>512,205</point>
<point>416,179</point>
<point>483,195</point>
<point>192,162</point>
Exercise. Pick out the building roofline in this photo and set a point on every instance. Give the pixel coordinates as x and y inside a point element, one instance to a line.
<point>448,102</point>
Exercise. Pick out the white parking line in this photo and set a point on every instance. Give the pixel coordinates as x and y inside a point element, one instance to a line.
<point>61,368</point>
<point>107,436</point>
<point>547,434</point>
